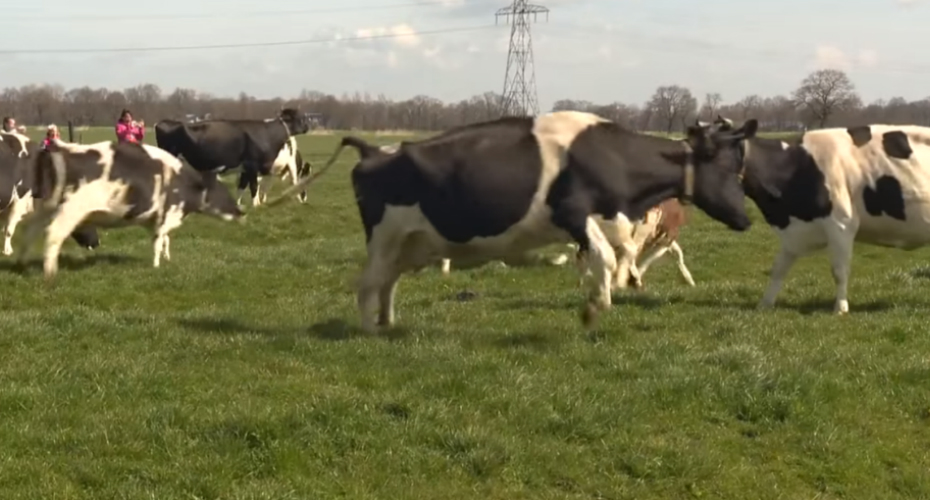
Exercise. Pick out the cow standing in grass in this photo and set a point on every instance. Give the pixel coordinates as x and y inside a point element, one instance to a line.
<point>289,163</point>
<point>496,189</point>
<point>222,145</point>
<point>832,187</point>
<point>111,184</point>
<point>18,192</point>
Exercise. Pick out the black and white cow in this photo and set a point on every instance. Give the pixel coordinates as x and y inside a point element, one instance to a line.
<point>831,187</point>
<point>222,145</point>
<point>108,184</point>
<point>289,163</point>
<point>501,188</point>
<point>18,193</point>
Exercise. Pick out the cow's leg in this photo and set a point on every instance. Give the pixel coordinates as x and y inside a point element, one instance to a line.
<point>649,257</point>
<point>303,170</point>
<point>240,187</point>
<point>680,255</point>
<point>382,263</point>
<point>602,262</point>
<point>16,211</point>
<point>783,262</point>
<point>63,224</point>
<point>446,266</point>
<point>264,186</point>
<point>598,254</point>
<point>840,240</point>
<point>162,243</point>
<point>33,230</point>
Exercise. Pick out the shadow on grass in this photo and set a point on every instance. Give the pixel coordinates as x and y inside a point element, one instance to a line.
<point>334,330</point>
<point>806,307</point>
<point>69,262</point>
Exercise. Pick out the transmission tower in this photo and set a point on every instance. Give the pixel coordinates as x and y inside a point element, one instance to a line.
<point>519,96</point>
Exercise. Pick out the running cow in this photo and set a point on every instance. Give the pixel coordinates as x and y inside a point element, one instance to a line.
<point>222,145</point>
<point>111,184</point>
<point>500,188</point>
<point>18,193</point>
<point>832,187</point>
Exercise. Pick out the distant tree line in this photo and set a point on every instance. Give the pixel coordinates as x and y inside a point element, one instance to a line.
<point>824,98</point>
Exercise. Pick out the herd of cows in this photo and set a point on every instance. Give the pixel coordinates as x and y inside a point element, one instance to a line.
<point>496,190</point>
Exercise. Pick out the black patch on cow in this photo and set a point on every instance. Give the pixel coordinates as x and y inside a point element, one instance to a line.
<point>896,145</point>
<point>885,199</point>
<point>466,185</point>
<point>861,135</point>
<point>785,183</point>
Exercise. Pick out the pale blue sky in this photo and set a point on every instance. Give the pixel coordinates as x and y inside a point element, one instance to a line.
<point>598,50</point>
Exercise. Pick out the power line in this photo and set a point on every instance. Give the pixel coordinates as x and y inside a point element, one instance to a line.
<point>245,45</point>
<point>240,15</point>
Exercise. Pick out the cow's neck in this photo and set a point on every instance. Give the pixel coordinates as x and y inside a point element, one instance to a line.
<point>672,176</point>
<point>767,163</point>
<point>287,130</point>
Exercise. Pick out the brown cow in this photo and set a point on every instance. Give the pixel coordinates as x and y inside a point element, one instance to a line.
<point>656,234</point>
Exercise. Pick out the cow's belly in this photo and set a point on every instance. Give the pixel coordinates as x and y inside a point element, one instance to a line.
<point>909,234</point>
<point>422,243</point>
<point>801,237</point>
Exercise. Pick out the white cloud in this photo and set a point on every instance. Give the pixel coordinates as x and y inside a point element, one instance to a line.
<point>831,57</point>
<point>402,34</point>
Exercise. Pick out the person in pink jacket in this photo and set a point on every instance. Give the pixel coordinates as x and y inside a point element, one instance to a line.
<point>50,135</point>
<point>128,130</point>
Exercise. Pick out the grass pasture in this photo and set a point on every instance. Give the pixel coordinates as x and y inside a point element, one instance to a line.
<point>235,372</point>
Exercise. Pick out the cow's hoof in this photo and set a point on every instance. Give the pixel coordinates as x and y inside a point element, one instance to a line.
<point>589,314</point>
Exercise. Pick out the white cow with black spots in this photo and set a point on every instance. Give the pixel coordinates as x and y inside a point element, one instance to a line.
<point>832,187</point>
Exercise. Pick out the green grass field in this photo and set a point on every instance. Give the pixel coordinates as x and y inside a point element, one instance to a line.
<point>236,372</point>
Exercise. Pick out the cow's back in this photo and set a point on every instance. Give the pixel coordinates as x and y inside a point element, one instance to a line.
<point>471,182</point>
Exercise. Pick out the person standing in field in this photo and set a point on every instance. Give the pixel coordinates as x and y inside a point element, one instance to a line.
<point>128,130</point>
<point>50,135</point>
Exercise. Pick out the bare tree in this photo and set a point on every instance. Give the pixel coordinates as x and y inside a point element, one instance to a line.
<point>824,93</point>
<point>670,109</point>
<point>711,105</point>
<point>672,104</point>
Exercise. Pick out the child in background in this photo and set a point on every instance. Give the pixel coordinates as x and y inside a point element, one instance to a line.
<point>128,130</point>
<point>50,135</point>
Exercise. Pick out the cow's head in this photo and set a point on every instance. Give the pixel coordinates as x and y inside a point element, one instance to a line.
<point>296,122</point>
<point>207,195</point>
<point>718,162</point>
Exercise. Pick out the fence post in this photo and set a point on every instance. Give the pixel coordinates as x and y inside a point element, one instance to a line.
<point>70,131</point>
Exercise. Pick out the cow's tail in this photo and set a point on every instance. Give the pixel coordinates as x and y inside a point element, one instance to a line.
<point>346,141</point>
<point>364,149</point>
<point>58,181</point>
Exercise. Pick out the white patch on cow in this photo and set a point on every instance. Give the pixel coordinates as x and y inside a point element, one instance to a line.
<point>18,208</point>
<point>848,171</point>
<point>165,157</point>
<point>23,142</point>
<point>104,149</point>
<point>785,145</point>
